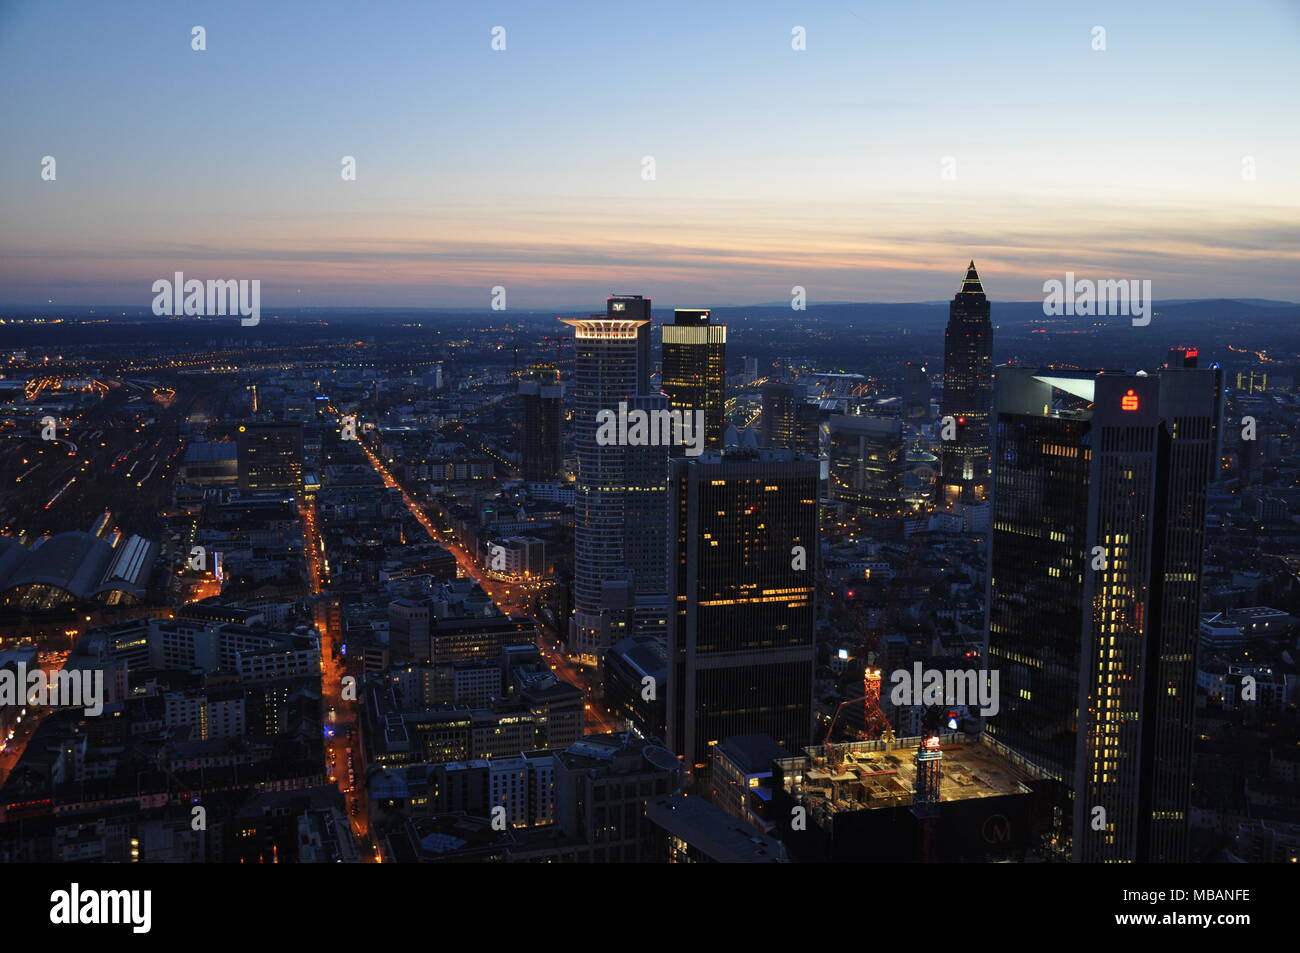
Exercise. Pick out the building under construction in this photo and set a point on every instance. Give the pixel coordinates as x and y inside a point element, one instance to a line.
<point>951,797</point>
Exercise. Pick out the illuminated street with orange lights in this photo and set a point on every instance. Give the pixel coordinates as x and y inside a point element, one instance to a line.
<point>339,715</point>
<point>512,600</point>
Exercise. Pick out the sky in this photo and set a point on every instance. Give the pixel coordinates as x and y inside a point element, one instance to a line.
<point>902,141</point>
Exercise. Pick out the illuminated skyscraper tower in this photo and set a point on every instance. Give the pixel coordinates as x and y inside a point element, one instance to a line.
<point>967,393</point>
<point>617,486</point>
<point>694,369</point>
<point>1099,495</point>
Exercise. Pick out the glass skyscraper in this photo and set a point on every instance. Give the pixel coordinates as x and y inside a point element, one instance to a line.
<point>1100,487</point>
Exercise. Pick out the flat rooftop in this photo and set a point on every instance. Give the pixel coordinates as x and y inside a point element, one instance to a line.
<point>866,775</point>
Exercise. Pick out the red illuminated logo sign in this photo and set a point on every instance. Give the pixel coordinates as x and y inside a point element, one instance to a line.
<point>1129,401</point>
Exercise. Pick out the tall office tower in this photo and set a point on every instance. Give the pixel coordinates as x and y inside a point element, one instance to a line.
<point>789,421</point>
<point>866,462</point>
<point>542,396</point>
<point>694,369</point>
<point>1095,557</point>
<point>607,368</point>
<point>751,370</point>
<point>270,455</point>
<point>777,421</point>
<point>741,592</point>
<point>916,392</point>
<point>967,393</point>
<point>1182,358</point>
<point>635,308</point>
<point>645,517</point>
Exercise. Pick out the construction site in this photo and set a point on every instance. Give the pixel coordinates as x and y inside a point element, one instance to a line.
<point>934,797</point>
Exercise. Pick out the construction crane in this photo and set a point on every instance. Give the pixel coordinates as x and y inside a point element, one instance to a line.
<point>926,793</point>
<point>874,721</point>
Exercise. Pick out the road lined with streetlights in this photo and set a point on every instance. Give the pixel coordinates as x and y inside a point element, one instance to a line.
<point>503,595</point>
<point>339,714</point>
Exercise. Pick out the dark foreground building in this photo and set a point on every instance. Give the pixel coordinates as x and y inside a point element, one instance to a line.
<point>742,583</point>
<point>1095,576</point>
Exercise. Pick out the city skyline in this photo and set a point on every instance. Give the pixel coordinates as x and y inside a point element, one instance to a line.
<point>501,433</point>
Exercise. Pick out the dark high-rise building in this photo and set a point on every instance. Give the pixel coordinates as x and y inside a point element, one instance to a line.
<point>542,397</point>
<point>916,392</point>
<point>270,455</point>
<point>789,421</point>
<point>967,393</point>
<point>1099,496</point>
<point>1183,358</point>
<point>866,461</point>
<point>694,369</point>
<point>741,592</point>
<point>645,518</point>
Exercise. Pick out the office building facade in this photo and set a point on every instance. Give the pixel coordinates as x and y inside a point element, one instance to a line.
<point>694,369</point>
<point>866,462</point>
<point>270,455</point>
<point>789,421</point>
<point>1095,575</point>
<point>542,397</point>
<point>742,589</point>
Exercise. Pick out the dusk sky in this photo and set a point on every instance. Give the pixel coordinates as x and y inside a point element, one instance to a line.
<point>523,168</point>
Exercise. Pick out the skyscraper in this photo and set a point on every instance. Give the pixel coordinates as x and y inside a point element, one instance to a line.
<point>616,485</point>
<point>1095,574</point>
<point>742,584</point>
<point>541,394</point>
<point>635,308</point>
<point>866,461</point>
<point>967,393</point>
<point>789,421</point>
<point>645,520</point>
<point>916,392</point>
<point>694,369</point>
